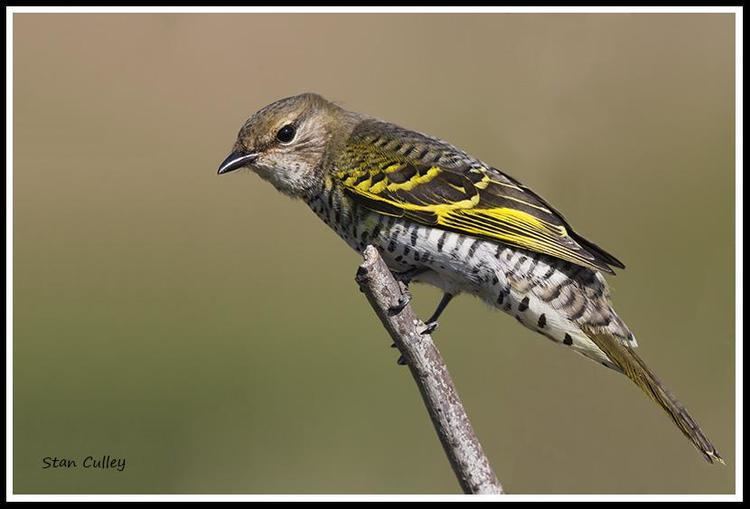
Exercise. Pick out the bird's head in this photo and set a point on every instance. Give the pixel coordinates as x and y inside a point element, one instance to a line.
<point>287,142</point>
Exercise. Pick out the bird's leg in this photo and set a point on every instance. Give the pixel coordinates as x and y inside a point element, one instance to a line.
<point>404,278</point>
<point>432,322</point>
<point>407,275</point>
<point>447,297</point>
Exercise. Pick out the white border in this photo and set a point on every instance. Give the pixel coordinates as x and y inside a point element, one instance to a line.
<point>738,496</point>
<point>739,263</point>
<point>372,10</point>
<point>9,252</point>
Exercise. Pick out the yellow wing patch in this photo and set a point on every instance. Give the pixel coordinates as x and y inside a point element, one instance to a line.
<point>473,200</point>
<point>517,228</point>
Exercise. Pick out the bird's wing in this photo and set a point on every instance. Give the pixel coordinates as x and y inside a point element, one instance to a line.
<point>401,173</point>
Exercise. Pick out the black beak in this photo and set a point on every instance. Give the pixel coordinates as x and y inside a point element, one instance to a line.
<point>235,161</point>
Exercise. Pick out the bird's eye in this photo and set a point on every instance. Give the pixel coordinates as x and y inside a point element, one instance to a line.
<point>286,134</point>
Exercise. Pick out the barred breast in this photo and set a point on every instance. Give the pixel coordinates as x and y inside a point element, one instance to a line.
<point>545,294</point>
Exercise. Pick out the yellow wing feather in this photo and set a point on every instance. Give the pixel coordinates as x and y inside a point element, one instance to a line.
<point>465,197</point>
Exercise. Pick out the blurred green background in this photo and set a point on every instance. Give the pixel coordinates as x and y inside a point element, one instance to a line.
<point>209,330</point>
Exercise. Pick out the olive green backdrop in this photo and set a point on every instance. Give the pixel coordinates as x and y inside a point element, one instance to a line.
<point>209,330</point>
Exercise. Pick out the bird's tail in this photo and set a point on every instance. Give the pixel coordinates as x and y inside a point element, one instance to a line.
<point>635,368</point>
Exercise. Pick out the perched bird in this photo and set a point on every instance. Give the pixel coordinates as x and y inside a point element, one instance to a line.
<point>439,216</point>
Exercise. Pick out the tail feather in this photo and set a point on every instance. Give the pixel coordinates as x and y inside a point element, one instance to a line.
<point>627,361</point>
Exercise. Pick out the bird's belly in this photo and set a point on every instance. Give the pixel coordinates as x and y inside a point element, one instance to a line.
<point>454,263</point>
<point>532,288</point>
<point>544,294</point>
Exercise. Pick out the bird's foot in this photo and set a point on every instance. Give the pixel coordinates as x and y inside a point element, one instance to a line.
<point>403,301</point>
<point>429,327</point>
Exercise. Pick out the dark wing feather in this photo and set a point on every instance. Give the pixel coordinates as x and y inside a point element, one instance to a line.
<point>401,173</point>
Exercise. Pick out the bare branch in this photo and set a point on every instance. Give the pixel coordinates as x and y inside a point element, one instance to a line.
<point>473,470</point>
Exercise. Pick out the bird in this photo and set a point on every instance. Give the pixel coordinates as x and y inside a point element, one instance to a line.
<point>441,217</point>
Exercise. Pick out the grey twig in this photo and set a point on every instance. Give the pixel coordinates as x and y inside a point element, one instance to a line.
<point>385,294</point>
